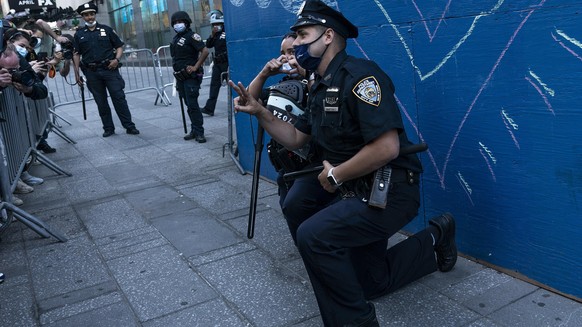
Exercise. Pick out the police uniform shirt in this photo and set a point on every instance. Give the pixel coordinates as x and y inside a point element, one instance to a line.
<point>185,49</point>
<point>351,105</point>
<point>218,43</point>
<point>97,45</point>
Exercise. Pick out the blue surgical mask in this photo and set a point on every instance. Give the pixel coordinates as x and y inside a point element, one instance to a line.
<point>21,50</point>
<point>304,59</point>
<point>179,27</point>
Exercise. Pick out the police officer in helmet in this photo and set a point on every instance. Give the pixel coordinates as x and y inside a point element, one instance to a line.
<point>356,128</point>
<point>217,40</point>
<point>188,55</point>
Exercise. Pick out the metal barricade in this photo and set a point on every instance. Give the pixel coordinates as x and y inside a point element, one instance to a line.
<point>18,128</point>
<point>138,69</point>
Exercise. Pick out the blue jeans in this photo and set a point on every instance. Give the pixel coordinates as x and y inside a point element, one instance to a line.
<point>189,90</point>
<point>99,83</point>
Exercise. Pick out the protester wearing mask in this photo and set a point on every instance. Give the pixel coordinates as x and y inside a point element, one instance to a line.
<point>98,52</point>
<point>188,54</point>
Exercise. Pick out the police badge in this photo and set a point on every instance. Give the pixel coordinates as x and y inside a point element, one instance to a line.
<point>368,90</point>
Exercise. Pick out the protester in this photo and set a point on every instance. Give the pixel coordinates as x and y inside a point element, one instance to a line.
<point>357,128</point>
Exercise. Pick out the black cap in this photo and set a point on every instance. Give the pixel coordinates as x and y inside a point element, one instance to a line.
<point>315,12</point>
<point>89,6</point>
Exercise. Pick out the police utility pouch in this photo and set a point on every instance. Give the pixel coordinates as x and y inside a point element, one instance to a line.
<point>380,187</point>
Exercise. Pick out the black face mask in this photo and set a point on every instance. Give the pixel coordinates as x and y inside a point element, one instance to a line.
<point>304,59</point>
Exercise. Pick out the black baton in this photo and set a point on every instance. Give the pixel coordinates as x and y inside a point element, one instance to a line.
<point>183,115</point>
<point>82,87</point>
<point>255,186</point>
<point>414,148</point>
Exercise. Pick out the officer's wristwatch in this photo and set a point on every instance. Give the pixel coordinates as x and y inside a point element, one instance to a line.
<point>331,178</point>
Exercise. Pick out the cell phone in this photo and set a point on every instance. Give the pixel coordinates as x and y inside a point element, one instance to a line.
<point>42,56</point>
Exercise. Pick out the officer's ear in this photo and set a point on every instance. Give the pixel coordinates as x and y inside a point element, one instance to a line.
<point>329,36</point>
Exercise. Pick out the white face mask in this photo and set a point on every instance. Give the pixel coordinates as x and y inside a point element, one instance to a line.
<point>91,24</point>
<point>21,50</point>
<point>179,27</point>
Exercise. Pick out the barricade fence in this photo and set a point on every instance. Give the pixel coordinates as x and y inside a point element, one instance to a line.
<point>22,123</point>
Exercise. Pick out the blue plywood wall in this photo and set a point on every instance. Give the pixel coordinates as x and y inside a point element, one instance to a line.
<point>494,88</point>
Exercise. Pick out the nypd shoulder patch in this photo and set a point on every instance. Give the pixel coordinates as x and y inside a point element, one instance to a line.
<point>196,37</point>
<point>368,90</point>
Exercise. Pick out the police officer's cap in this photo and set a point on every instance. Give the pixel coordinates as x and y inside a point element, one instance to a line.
<point>87,7</point>
<point>180,15</point>
<point>315,12</point>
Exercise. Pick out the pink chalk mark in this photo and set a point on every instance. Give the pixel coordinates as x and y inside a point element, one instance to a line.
<point>488,165</point>
<point>542,95</point>
<point>466,191</point>
<point>510,131</point>
<point>431,35</point>
<point>441,175</point>
<point>566,47</point>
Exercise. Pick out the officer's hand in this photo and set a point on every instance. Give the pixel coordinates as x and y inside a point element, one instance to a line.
<point>112,64</point>
<point>322,177</point>
<point>296,68</point>
<point>79,79</point>
<point>245,102</point>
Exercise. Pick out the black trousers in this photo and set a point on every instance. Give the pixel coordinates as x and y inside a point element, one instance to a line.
<point>343,245</point>
<point>99,83</point>
<point>215,84</point>
<point>189,90</point>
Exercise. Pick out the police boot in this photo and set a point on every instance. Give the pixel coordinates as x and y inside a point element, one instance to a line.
<point>368,320</point>
<point>445,247</point>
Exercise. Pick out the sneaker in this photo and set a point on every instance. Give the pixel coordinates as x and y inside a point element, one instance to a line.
<point>189,137</point>
<point>200,139</point>
<point>22,188</point>
<point>44,147</point>
<point>108,133</point>
<point>207,112</point>
<point>17,201</point>
<point>1,278</point>
<point>132,131</point>
<point>445,247</point>
<point>31,180</point>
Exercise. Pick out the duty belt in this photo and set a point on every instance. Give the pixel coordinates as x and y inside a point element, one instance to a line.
<point>361,187</point>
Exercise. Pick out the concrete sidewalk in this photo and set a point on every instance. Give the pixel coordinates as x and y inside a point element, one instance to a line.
<point>157,237</point>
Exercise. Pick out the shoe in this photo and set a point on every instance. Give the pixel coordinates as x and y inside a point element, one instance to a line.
<point>44,147</point>
<point>369,320</point>
<point>132,131</point>
<point>207,112</point>
<point>445,247</point>
<point>108,133</point>
<point>31,180</point>
<point>200,139</point>
<point>17,201</point>
<point>1,278</point>
<point>189,137</point>
<point>22,188</point>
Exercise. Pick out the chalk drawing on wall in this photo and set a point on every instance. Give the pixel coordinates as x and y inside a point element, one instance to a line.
<point>542,94</point>
<point>572,41</point>
<point>465,186</point>
<point>511,126</point>
<point>489,158</point>
<point>548,90</point>
<point>451,52</point>
<point>433,34</point>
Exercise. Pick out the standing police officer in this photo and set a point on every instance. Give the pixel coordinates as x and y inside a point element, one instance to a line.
<point>98,52</point>
<point>188,54</point>
<point>357,128</point>
<point>217,41</point>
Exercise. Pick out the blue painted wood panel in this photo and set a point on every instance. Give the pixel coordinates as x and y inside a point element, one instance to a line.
<point>494,88</point>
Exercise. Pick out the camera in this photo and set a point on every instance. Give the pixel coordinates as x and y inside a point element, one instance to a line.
<point>68,48</point>
<point>23,77</point>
